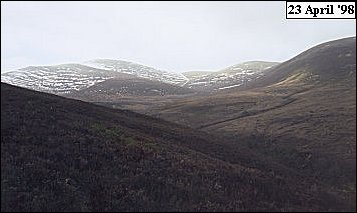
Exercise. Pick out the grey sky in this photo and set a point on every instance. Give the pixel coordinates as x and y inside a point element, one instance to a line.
<point>174,36</point>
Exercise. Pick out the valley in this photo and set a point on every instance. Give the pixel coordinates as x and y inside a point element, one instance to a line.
<point>253,136</point>
<point>71,155</point>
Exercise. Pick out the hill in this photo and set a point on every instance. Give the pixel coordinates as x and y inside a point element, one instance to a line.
<point>58,79</point>
<point>66,78</point>
<point>230,77</point>
<point>115,89</point>
<point>59,154</point>
<point>138,70</point>
<point>302,113</point>
<point>326,63</point>
<point>195,74</point>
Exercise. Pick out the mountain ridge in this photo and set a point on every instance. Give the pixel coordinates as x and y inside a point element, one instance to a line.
<point>236,75</point>
<point>330,56</point>
<point>76,76</point>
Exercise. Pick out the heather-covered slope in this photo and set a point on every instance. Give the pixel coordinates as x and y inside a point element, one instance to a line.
<point>59,154</point>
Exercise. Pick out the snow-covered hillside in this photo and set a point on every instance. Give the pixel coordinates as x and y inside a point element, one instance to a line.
<point>233,76</point>
<point>138,70</point>
<point>65,78</point>
<point>57,79</point>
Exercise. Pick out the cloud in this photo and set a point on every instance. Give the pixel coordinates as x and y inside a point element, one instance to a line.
<point>176,36</point>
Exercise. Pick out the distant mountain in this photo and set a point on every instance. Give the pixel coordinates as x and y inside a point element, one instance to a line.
<point>59,79</point>
<point>66,78</point>
<point>233,76</point>
<point>115,88</point>
<point>138,70</point>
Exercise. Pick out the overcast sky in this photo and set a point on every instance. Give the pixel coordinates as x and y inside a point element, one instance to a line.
<point>174,36</point>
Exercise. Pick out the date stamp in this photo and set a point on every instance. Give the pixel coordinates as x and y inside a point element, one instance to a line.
<point>320,10</point>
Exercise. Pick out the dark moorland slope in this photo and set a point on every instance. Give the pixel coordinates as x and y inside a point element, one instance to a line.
<point>59,154</point>
<point>302,114</point>
<point>117,88</point>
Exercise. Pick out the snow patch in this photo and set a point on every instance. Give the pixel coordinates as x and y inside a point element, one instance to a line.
<point>237,85</point>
